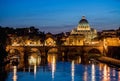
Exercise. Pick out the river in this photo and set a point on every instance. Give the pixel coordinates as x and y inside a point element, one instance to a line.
<point>55,69</point>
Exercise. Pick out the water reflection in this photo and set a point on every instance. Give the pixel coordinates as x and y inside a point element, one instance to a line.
<point>73,70</point>
<point>113,74</point>
<point>106,73</point>
<point>49,69</point>
<point>93,72</point>
<point>119,76</point>
<point>85,76</point>
<point>52,63</point>
<point>76,59</point>
<point>35,70</point>
<point>14,73</point>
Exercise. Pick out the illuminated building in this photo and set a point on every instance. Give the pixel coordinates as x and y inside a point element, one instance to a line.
<point>50,42</point>
<point>84,28</point>
<point>74,40</point>
<point>112,41</point>
<point>25,41</point>
<point>109,33</point>
<point>110,37</point>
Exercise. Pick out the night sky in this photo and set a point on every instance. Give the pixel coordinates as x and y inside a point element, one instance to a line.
<point>59,15</point>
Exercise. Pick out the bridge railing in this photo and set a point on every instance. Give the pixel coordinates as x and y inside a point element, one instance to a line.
<point>91,44</point>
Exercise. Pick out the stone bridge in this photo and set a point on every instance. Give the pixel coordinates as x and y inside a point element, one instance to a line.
<point>25,51</point>
<point>44,50</point>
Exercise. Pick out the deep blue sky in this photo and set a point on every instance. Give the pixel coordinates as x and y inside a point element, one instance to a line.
<point>59,15</point>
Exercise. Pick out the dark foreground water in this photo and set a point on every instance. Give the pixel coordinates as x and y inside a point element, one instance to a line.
<point>70,70</point>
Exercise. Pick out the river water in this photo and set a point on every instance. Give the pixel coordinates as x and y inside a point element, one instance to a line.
<point>56,69</point>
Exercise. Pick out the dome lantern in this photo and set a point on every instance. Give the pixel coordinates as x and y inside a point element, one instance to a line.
<point>83,17</point>
<point>83,20</point>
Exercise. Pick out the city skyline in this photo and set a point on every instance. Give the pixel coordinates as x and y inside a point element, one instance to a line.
<point>59,16</point>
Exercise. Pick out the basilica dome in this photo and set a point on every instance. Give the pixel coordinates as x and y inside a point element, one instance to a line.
<point>84,29</point>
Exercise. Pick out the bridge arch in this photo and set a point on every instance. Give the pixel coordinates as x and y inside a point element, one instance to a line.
<point>34,59</point>
<point>94,51</point>
<point>35,50</point>
<point>52,50</point>
<point>14,52</point>
<point>72,52</point>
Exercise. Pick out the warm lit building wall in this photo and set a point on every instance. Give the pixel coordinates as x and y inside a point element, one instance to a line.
<point>50,42</point>
<point>109,33</point>
<point>112,41</point>
<point>25,41</point>
<point>75,40</point>
<point>33,43</point>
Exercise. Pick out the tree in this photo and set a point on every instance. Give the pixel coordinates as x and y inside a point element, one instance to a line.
<point>3,38</point>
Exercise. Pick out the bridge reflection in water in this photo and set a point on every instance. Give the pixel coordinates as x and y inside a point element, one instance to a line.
<point>54,68</point>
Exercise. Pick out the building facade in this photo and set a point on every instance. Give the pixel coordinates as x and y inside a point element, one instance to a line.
<point>76,40</point>
<point>50,42</point>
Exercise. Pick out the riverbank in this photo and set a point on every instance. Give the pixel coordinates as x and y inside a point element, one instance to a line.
<point>109,60</point>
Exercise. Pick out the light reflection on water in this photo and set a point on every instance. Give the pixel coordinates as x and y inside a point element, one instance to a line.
<point>119,76</point>
<point>52,63</point>
<point>93,72</point>
<point>71,70</point>
<point>14,73</point>
<point>85,75</point>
